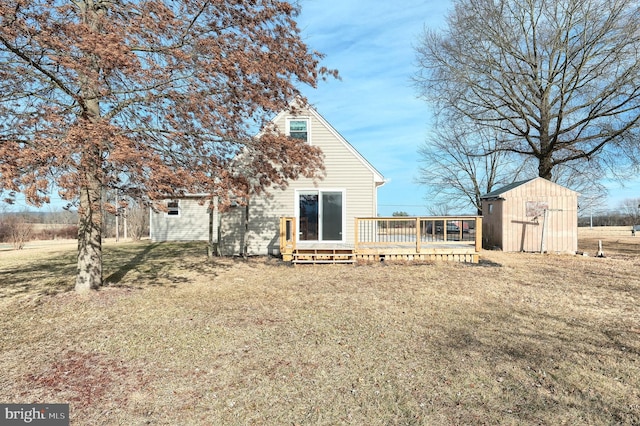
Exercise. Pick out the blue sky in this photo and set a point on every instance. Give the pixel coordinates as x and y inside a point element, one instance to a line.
<point>374,106</point>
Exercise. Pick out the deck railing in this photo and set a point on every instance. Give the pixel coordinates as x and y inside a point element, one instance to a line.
<point>414,233</point>
<point>418,232</point>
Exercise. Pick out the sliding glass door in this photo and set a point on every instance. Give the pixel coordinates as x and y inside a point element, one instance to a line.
<point>320,215</point>
<point>331,216</point>
<point>309,213</point>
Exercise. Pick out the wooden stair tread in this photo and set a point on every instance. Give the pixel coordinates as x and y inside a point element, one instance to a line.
<point>324,256</point>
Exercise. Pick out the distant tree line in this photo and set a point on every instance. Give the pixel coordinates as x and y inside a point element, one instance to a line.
<point>628,214</point>
<point>606,219</point>
<point>18,228</point>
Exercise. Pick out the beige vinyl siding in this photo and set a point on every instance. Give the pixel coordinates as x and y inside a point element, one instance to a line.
<point>232,231</point>
<point>192,224</point>
<point>344,171</point>
<point>264,222</point>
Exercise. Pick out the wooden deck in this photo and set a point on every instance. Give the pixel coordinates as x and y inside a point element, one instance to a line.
<point>450,238</point>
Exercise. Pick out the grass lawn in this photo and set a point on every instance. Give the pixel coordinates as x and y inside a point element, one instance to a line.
<point>174,339</point>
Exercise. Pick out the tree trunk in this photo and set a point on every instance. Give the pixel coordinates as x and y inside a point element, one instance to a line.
<point>89,274</point>
<point>245,232</point>
<point>545,166</point>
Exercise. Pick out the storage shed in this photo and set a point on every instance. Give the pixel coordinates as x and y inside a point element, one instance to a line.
<point>534,215</point>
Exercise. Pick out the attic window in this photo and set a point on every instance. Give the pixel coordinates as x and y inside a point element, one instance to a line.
<point>173,208</point>
<point>298,129</point>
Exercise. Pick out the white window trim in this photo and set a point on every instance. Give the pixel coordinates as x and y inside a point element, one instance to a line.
<point>179,209</point>
<point>301,118</point>
<point>296,203</point>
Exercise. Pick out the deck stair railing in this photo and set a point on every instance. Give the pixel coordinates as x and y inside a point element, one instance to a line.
<point>287,237</point>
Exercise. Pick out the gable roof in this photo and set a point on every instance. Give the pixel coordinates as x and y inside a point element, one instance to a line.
<point>377,176</point>
<point>497,193</point>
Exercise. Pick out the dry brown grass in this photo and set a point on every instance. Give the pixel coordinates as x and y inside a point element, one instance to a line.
<point>518,339</point>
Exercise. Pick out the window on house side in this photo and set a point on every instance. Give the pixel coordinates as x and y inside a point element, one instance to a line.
<point>298,129</point>
<point>490,209</point>
<point>173,208</point>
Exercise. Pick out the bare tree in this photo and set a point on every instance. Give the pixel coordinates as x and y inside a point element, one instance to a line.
<point>21,232</point>
<point>460,164</point>
<point>137,221</point>
<point>16,229</point>
<point>559,80</point>
<point>150,98</point>
<point>441,208</point>
<point>630,207</point>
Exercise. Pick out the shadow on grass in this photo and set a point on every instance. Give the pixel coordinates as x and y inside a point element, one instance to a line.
<point>120,256</point>
<point>158,264</point>
<point>49,274</point>
<point>487,262</point>
<point>135,265</point>
<point>551,368</point>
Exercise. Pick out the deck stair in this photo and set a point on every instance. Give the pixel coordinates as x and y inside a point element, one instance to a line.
<point>323,256</point>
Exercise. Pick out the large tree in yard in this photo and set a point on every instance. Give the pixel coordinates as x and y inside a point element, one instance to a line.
<point>558,80</point>
<point>460,162</point>
<point>150,98</point>
<point>459,165</point>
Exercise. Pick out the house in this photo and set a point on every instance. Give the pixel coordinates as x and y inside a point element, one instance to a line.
<point>324,210</point>
<point>534,215</point>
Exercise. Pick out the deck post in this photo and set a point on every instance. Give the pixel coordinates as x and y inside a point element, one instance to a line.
<point>282,234</point>
<point>294,234</point>
<point>418,233</point>
<point>478,234</point>
<point>355,236</point>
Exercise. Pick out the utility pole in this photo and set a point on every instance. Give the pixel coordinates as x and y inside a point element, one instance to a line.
<point>117,214</point>
<point>124,217</point>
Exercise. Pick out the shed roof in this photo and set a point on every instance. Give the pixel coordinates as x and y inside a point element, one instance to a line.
<point>497,193</point>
